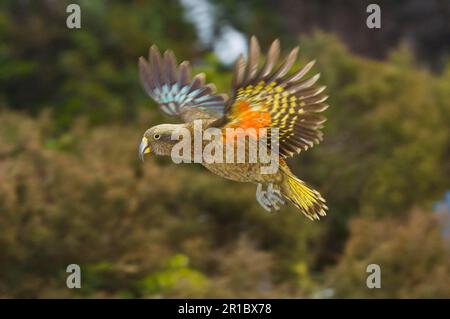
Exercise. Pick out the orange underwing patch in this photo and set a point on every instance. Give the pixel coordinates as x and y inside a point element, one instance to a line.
<point>245,117</point>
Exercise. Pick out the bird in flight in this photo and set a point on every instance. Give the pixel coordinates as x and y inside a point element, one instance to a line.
<point>267,95</point>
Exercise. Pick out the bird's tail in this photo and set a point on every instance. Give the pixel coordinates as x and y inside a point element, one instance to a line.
<point>308,200</point>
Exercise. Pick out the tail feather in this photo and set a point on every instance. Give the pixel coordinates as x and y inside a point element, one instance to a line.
<point>308,200</point>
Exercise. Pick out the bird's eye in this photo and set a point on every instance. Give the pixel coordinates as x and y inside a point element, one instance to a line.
<point>156,136</point>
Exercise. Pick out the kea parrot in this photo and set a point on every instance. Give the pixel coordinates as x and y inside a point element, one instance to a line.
<point>267,93</point>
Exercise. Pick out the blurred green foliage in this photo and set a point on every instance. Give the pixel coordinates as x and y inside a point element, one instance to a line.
<point>89,71</point>
<point>176,278</point>
<point>72,189</point>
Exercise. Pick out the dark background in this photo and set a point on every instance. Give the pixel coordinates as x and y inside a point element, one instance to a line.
<point>72,189</point>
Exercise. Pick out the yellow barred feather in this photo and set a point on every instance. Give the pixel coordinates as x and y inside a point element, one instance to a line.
<point>308,200</point>
<point>284,102</point>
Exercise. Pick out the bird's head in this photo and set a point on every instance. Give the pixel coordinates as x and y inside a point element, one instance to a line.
<point>158,140</point>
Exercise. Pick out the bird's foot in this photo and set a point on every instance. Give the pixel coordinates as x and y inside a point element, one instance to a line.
<point>269,199</point>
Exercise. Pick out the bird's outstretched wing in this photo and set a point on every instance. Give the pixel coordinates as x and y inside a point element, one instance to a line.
<point>267,97</point>
<point>172,88</point>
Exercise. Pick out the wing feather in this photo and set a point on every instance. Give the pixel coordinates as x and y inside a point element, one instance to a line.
<point>172,88</point>
<point>264,97</point>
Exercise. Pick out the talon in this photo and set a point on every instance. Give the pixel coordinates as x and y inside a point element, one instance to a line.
<point>261,197</point>
<point>277,198</point>
<point>264,205</point>
<point>269,199</point>
<point>277,191</point>
<point>275,205</point>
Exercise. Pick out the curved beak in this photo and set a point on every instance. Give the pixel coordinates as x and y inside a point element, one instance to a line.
<point>144,148</point>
